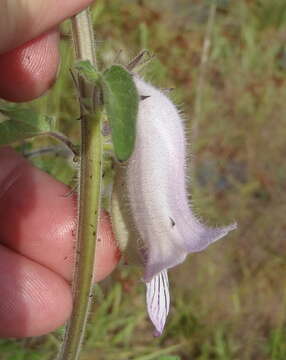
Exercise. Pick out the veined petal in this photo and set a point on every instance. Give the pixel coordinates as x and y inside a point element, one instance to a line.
<point>156,187</point>
<point>158,300</point>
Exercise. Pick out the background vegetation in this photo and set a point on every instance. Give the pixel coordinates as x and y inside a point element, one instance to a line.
<point>229,302</point>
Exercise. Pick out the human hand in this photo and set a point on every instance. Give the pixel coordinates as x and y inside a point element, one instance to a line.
<point>37,226</point>
<point>37,221</point>
<point>29,55</point>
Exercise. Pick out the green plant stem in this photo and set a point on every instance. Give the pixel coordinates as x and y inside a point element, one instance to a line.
<point>89,192</point>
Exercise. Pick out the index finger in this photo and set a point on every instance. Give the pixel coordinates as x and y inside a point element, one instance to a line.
<point>23,20</point>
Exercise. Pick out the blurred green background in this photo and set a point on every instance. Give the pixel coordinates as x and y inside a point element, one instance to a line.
<point>227,63</point>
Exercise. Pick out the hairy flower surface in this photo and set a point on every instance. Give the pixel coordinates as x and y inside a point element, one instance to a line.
<point>157,200</point>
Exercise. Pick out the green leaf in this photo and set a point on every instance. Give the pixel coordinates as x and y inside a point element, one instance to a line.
<point>56,166</point>
<point>88,71</point>
<point>21,123</point>
<point>121,101</point>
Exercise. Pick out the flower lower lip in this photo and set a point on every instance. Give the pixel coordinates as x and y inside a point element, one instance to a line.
<point>158,300</point>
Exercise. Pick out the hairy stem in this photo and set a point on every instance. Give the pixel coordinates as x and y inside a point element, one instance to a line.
<point>89,191</point>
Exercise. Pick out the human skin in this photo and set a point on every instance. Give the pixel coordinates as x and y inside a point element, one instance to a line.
<point>37,220</point>
<point>29,45</point>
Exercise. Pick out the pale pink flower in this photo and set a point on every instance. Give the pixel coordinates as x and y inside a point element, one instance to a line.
<point>157,199</point>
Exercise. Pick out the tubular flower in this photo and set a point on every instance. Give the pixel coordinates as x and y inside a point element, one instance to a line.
<point>151,197</point>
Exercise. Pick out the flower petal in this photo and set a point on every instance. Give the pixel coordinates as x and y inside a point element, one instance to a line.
<point>158,300</point>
